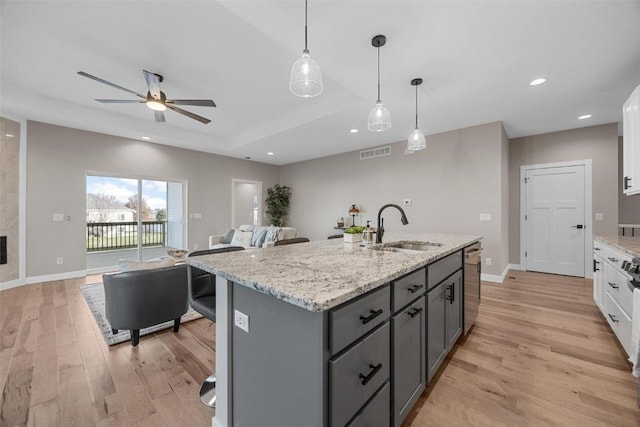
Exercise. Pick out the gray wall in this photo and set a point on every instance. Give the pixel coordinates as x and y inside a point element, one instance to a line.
<point>598,143</point>
<point>628,206</point>
<point>457,177</point>
<point>58,159</point>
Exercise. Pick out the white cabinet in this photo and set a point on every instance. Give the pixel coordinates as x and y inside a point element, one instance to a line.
<point>631,144</point>
<point>612,292</point>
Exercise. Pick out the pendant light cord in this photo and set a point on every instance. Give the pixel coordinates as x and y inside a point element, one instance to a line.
<point>378,74</point>
<point>416,106</point>
<point>305,27</point>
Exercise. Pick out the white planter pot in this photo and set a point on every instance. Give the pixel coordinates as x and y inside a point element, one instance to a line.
<point>352,238</point>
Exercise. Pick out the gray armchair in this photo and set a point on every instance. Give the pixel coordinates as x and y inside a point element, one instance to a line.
<point>142,298</point>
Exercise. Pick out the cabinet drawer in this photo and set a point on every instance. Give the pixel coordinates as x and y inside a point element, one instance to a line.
<point>408,288</point>
<point>357,374</point>
<point>376,412</point>
<point>598,247</point>
<point>351,321</point>
<point>443,268</point>
<point>617,285</point>
<point>619,322</point>
<point>615,257</point>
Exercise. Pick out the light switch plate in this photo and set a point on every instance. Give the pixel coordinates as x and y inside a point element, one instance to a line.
<point>241,320</point>
<point>598,217</point>
<point>57,217</point>
<point>485,217</point>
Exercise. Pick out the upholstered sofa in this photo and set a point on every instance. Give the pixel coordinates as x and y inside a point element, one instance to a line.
<point>250,236</point>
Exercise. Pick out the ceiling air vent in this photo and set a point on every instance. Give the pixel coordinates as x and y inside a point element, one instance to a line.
<point>375,152</point>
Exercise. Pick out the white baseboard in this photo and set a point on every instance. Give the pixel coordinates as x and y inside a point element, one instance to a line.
<point>101,270</point>
<point>12,284</point>
<point>57,276</point>
<point>499,278</point>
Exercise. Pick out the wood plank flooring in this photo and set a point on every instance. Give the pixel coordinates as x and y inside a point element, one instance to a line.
<point>539,354</point>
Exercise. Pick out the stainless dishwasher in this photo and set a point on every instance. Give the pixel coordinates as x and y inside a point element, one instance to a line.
<point>472,270</point>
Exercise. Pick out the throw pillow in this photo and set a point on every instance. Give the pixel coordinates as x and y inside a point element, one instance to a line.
<point>272,235</point>
<point>228,236</point>
<point>242,238</point>
<point>261,238</point>
<point>132,265</point>
<point>246,227</point>
<point>258,234</point>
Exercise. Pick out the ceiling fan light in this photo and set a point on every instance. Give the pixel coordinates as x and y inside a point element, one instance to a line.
<point>156,105</point>
<point>379,118</point>
<point>416,141</point>
<point>306,79</point>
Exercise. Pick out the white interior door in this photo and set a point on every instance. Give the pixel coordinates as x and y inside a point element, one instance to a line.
<point>555,220</point>
<point>246,206</point>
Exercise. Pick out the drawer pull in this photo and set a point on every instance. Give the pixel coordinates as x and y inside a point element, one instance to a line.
<point>613,285</point>
<point>372,316</point>
<point>415,288</point>
<point>452,296</point>
<point>613,318</point>
<point>612,259</point>
<point>368,377</point>
<point>596,249</point>
<point>415,312</point>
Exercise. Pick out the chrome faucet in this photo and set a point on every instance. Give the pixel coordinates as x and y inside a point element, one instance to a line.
<point>380,230</point>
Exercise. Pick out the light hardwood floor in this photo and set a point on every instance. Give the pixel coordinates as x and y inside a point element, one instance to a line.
<point>540,354</point>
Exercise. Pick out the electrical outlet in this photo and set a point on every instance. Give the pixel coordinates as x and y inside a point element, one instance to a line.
<point>195,246</point>
<point>241,320</point>
<point>60,260</point>
<point>488,261</point>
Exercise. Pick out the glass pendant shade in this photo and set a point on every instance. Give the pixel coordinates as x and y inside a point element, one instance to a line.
<point>416,141</point>
<point>379,118</point>
<point>306,78</point>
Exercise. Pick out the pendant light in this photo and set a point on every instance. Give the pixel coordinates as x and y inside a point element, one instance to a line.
<point>305,80</point>
<point>416,140</point>
<point>379,117</point>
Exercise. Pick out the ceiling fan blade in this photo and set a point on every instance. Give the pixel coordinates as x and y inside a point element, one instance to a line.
<point>188,114</point>
<point>196,102</point>
<point>153,82</point>
<point>159,116</point>
<point>98,79</point>
<point>120,101</point>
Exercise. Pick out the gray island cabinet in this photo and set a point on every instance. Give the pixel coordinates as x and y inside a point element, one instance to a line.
<point>331,334</point>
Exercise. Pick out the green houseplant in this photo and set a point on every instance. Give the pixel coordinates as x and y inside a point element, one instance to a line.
<point>278,204</point>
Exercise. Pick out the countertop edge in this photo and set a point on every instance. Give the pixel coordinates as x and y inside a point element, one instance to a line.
<point>619,243</point>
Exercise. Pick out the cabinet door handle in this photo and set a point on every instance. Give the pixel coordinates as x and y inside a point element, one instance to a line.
<point>366,378</point>
<point>372,316</point>
<point>596,249</point>
<point>613,318</point>
<point>413,289</point>
<point>595,268</point>
<point>415,312</point>
<point>612,259</point>
<point>613,285</point>
<point>626,183</point>
<point>452,295</point>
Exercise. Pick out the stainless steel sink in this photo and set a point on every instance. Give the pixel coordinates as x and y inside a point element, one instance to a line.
<point>407,246</point>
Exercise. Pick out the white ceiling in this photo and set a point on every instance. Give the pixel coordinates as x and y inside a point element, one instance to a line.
<point>476,59</point>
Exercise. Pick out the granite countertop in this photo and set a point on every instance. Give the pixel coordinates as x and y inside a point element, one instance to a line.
<point>627,244</point>
<point>320,275</point>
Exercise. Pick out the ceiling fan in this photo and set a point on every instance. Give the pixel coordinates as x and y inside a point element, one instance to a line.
<point>155,99</point>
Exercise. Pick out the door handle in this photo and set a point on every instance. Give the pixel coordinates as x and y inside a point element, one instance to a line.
<point>595,268</point>
<point>626,183</point>
<point>579,226</point>
<point>452,295</point>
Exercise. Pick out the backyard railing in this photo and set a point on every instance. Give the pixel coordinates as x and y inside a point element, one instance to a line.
<point>106,236</point>
<point>629,230</point>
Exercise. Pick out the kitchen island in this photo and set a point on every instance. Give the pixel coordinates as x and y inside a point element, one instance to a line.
<point>308,316</point>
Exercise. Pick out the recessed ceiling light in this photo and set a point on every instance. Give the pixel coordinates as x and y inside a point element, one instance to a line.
<point>583,117</point>
<point>537,82</point>
<point>269,153</point>
<point>354,130</point>
<point>10,135</point>
<point>146,138</point>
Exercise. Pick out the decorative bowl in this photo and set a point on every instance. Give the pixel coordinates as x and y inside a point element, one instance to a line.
<point>177,253</point>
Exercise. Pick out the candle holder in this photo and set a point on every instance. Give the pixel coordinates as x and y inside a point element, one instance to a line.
<point>354,212</point>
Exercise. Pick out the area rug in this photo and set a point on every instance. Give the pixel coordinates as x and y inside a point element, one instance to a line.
<point>94,296</point>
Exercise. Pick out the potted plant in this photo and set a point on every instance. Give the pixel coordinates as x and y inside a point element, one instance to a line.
<point>353,234</point>
<point>278,204</point>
